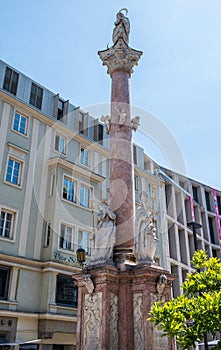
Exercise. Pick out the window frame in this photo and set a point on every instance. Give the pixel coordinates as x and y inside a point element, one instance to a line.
<point>57,135</point>
<point>86,247</point>
<point>18,184</point>
<point>12,74</point>
<point>69,284</point>
<point>6,292</point>
<point>14,213</point>
<point>64,239</point>
<point>48,231</point>
<point>74,181</point>
<point>82,158</point>
<point>82,184</point>
<point>60,111</point>
<point>25,134</point>
<point>136,181</point>
<point>34,101</point>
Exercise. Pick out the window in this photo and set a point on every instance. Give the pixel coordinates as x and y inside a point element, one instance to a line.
<point>207,195</point>
<point>11,81</point>
<point>219,204</point>
<point>13,173</point>
<point>211,230</point>
<point>36,96</point>
<point>47,234</point>
<point>98,132</point>
<point>60,109</point>
<point>20,123</point>
<point>52,182</point>
<point>69,189</point>
<point>195,194</point>
<point>28,347</point>
<point>84,156</point>
<point>136,182</point>
<point>66,237</point>
<point>7,219</point>
<point>85,194</point>
<point>66,291</point>
<point>60,144</point>
<point>81,123</point>
<point>135,154</point>
<point>4,282</point>
<point>83,241</point>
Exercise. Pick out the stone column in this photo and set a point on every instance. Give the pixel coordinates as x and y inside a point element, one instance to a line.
<point>120,59</point>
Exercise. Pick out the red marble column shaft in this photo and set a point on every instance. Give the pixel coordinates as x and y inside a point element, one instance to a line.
<point>121,161</point>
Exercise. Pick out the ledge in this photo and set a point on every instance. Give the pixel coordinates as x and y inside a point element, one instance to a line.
<point>77,169</point>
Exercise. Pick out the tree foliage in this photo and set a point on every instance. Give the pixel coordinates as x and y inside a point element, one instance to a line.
<point>198,310</point>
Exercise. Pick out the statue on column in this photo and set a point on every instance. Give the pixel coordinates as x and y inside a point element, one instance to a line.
<point>145,238</point>
<point>105,234</point>
<point>122,27</point>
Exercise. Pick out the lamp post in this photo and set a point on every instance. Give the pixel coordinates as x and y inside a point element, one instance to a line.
<point>81,256</point>
<point>194,226</point>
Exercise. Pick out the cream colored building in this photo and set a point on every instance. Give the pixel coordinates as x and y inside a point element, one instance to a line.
<point>53,172</point>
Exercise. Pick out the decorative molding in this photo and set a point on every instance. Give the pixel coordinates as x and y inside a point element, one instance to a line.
<point>113,321</point>
<point>161,284</point>
<point>87,281</point>
<point>120,57</point>
<point>135,122</point>
<point>76,169</point>
<point>92,322</point>
<point>138,321</point>
<point>107,122</point>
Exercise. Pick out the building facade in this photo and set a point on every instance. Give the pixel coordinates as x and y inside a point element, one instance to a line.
<point>53,172</point>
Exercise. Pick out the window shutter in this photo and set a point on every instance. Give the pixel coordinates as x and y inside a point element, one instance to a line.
<point>65,111</point>
<point>55,107</point>
<point>85,124</point>
<point>76,120</point>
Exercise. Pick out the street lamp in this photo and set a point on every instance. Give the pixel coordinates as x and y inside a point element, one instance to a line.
<point>81,256</point>
<point>194,226</point>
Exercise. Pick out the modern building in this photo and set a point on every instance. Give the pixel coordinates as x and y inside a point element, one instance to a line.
<point>53,172</point>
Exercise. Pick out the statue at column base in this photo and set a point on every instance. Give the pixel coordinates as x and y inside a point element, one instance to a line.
<point>105,234</point>
<point>145,239</point>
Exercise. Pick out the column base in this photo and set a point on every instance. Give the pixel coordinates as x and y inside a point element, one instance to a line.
<point>124,256</point>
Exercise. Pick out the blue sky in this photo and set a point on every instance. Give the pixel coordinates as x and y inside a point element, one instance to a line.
<point>178,78</point>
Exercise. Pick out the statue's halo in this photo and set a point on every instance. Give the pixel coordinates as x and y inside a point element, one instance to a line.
<point>124,9</point>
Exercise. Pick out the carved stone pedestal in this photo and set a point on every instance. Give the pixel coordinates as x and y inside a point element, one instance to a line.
<point>114,315</point>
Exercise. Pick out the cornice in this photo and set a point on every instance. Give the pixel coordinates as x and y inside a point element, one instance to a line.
<point>77,169</point>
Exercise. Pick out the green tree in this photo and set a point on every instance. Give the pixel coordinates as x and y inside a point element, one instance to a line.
<point>198,310</point>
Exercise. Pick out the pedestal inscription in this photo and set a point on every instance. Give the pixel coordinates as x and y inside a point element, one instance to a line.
<point>92,321</point>
<point>138,321</point>
<point>113,321</point>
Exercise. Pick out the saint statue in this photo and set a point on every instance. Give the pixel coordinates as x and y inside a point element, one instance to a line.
<point>145,239</point>
<point>105,235</point>
<point>122,28</point>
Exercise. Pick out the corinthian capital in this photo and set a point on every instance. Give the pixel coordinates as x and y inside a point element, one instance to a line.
<point>120,57</point>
